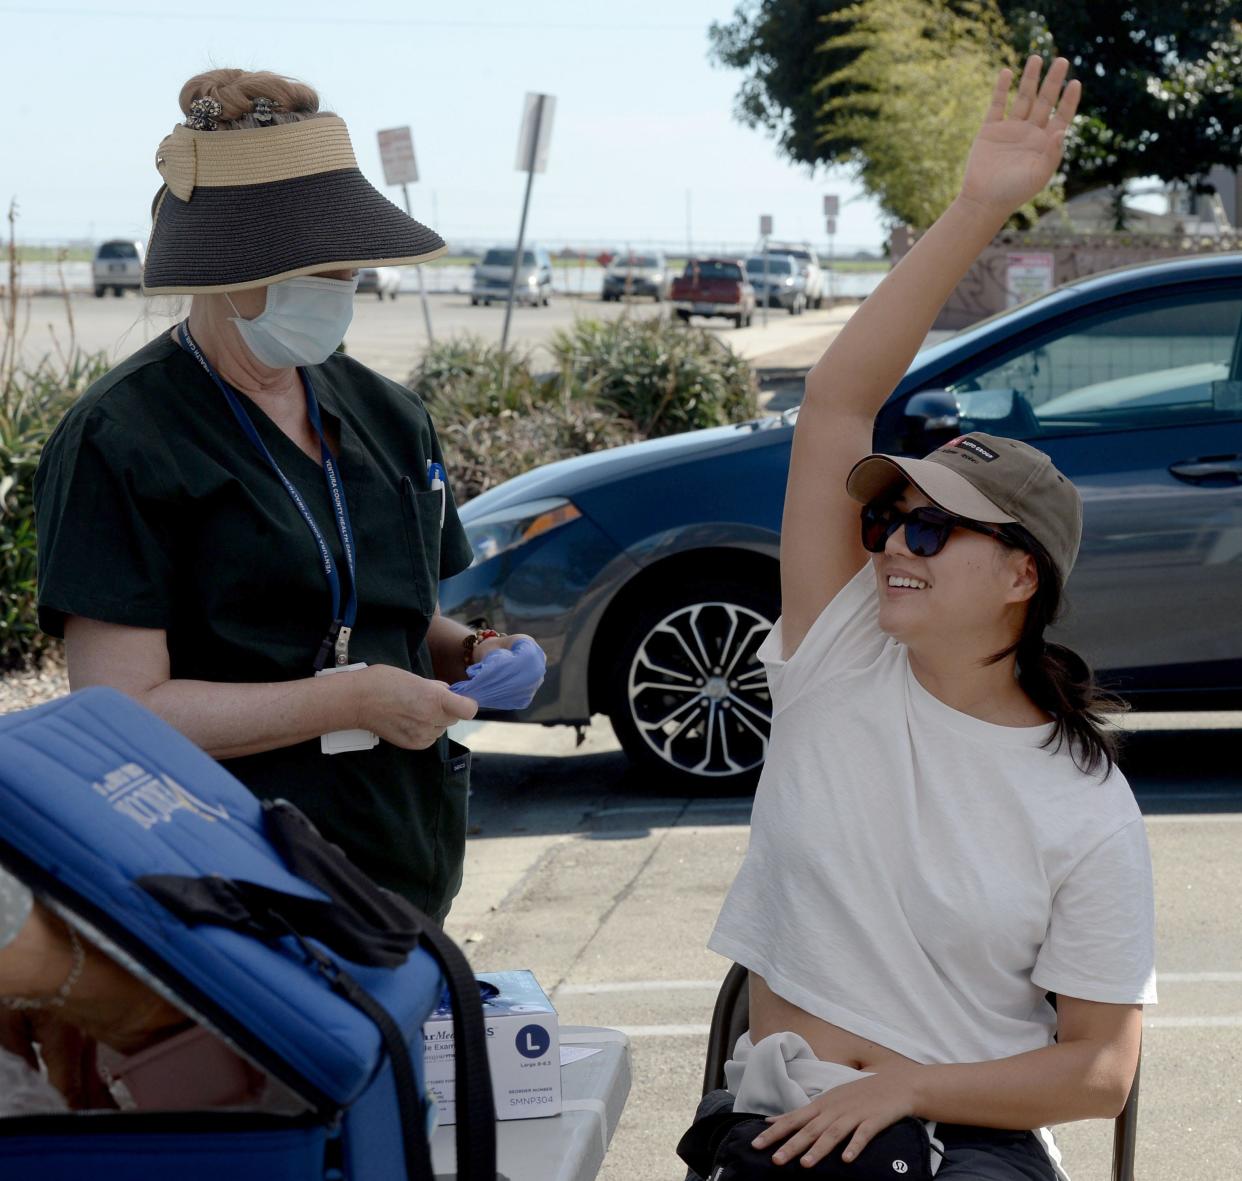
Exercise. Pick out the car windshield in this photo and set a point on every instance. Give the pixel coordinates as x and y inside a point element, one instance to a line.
<point>714,270</point>
<point>504,258</point>
<point>775,266</point>
<point>118,250</point>
<point>636,260</point>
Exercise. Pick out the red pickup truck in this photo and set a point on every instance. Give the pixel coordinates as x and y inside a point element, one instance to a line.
<point>714,287</point>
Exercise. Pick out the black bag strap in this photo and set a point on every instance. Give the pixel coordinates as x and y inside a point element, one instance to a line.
<point>369,925</point>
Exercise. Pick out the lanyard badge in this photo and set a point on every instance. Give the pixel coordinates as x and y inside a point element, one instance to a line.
<point>334,651</point>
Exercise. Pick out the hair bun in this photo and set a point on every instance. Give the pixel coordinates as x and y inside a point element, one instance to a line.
<point>248,98</point>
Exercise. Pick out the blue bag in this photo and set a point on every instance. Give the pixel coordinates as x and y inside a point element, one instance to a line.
<point>257,927</point>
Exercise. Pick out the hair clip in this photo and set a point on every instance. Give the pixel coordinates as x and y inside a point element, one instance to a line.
<point>264,110</point>
<point>203,114</point>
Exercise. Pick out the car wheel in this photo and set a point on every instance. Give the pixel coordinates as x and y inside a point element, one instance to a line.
<point>99,292</point>
<point>683,315</point>
<point>690,698</point>
<point>118,292</point>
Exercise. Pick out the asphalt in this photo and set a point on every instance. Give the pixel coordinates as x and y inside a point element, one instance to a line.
<point>391,336</point>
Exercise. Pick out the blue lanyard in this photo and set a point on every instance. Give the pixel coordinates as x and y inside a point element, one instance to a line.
<point>336,642</point>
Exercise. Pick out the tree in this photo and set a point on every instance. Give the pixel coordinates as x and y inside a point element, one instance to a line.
<point>911,96</point>
<point>1162,79</point>
<point>1162,84</point>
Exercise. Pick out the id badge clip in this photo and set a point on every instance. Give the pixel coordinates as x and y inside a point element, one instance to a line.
<point>339,742</point>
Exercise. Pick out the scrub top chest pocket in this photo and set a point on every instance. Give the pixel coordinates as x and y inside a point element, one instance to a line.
<point>422,511</point>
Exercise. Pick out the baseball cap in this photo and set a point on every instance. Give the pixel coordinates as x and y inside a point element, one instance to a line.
<point>990,479</point>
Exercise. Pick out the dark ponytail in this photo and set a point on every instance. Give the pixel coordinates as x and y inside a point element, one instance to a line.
<point>1057,679</point>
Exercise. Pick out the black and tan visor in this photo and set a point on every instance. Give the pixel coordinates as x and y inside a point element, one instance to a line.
<point>247,208</point>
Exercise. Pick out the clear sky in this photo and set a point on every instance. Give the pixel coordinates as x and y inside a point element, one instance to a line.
<point>89,88</point>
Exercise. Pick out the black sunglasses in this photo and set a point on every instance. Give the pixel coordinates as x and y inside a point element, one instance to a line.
<point>927,528</point>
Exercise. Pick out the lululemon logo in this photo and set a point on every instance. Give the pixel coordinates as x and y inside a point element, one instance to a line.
<point>900,1166</point>
<point>533,1041</point>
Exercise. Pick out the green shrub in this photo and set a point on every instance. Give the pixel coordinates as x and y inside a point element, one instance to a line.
<point>464,378</point>
<point>662,375</point>
<point>31,404</point>
<point>491,449</point>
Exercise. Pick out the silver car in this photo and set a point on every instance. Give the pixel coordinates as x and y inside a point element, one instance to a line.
<point>494,273</point>
<point>117,266</point>
<point>779,282</point>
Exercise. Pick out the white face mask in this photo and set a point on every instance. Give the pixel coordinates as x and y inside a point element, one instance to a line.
<point>302,322</point>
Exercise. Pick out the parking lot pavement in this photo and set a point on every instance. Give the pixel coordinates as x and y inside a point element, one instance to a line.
<point>607,887</point>
<point>386,335</point>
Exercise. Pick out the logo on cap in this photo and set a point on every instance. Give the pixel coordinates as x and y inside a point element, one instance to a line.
<point>972,447</point>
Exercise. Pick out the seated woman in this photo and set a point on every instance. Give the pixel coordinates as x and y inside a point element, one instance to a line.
<point>61,994</point>
<point>941,836</point>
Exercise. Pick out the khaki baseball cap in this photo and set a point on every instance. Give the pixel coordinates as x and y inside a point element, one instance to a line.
<point>989,479</point>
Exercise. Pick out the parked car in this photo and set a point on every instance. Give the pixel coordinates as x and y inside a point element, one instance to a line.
<point>714,287</point>
<point>380,282</point>
<point>494,272</point>
<point>650,572</point>
<point>779,282</point>
<point>117,266</point>
<point>637,274</point>
<point>813,274</point>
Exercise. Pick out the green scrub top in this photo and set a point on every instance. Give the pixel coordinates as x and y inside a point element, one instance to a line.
<point>155,510</point>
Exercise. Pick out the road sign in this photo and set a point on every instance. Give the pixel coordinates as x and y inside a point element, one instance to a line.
<point>604,258</point>
<point>765,225</point>
<point>536,134</point>
<point>832,205</point>
<point>830,226</point>
<point>396,147</point>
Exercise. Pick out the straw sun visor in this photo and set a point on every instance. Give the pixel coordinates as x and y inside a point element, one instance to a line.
<point>247,208</point>
<point>875,475</point>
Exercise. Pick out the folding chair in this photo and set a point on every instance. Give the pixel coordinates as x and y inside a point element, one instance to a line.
<point>731,1018</point>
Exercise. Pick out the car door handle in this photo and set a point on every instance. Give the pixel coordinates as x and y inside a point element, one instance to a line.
<point>1216,468</point>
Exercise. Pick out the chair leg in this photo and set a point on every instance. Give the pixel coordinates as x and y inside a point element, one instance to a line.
<point>1125,1133</point>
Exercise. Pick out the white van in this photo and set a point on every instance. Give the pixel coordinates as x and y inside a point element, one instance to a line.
<point>117,265</point>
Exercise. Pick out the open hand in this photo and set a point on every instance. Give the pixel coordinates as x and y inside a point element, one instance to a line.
<point>852,1113</point>
<point>1015,155</point>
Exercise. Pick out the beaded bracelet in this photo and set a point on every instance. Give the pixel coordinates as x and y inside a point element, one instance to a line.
<point>468,642</point>
<point>27,1004</point>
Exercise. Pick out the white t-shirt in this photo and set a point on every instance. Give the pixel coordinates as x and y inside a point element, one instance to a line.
<point>921,877</point>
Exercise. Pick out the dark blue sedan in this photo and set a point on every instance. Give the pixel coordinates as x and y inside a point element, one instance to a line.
<point>650,573</point>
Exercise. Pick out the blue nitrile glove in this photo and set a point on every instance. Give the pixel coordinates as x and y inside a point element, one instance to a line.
<point>506,678</point>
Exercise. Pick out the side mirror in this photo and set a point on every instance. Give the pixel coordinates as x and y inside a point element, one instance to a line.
<point>930,420</point>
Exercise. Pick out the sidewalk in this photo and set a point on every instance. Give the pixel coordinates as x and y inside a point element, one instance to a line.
<point>788,341</point>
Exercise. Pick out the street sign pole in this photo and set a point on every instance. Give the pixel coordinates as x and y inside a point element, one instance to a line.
<point>422,291</point>
<point>765,228</point>
<point>396,147</point>
<point>534,125</point>
<point>832,206</point>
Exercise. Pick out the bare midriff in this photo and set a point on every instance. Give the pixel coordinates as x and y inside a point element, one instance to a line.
<point>771,1014</point>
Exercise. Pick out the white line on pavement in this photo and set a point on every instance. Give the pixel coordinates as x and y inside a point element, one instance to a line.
<point>638,986</point>
<point>1198,818</point>
<point>1199,977</point>
<point>664,1030</point>
<point>1226,1022</point>
<point>612,986</point>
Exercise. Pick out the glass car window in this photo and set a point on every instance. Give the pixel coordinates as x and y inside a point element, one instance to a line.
<point>504,258</point>
<point>715,270</point>
<point>118,250</point>
<point>776,266</point>
<point>1161,363</point>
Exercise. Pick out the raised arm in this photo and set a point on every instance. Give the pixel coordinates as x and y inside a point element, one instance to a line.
<point>1013,158</point>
